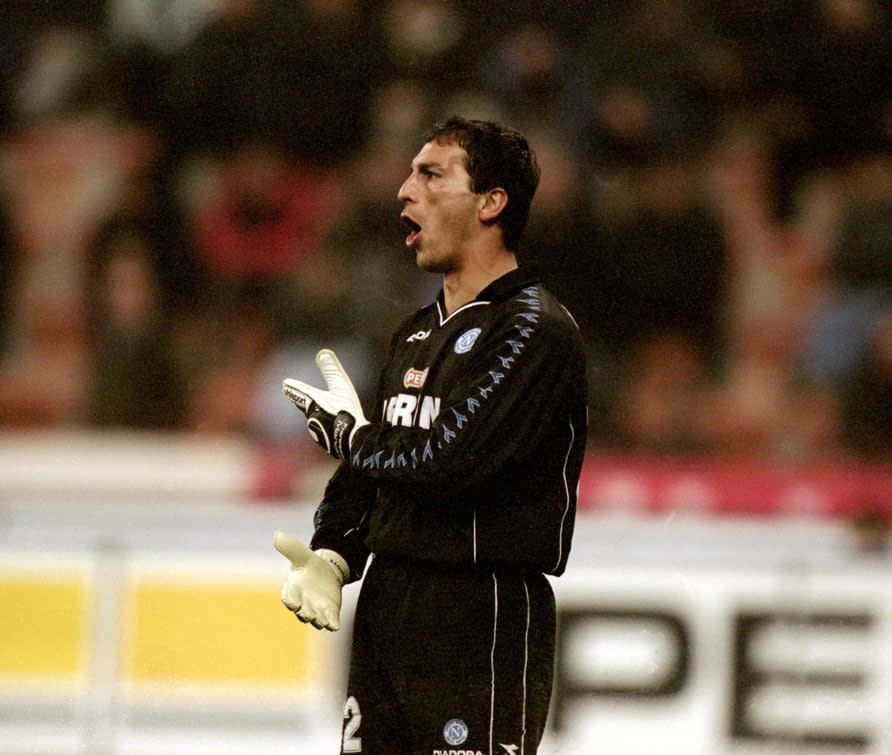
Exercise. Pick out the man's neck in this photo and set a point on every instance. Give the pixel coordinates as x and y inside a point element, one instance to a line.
<point>463,286</point>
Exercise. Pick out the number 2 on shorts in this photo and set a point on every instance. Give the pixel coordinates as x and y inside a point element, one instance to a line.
<point>352,720</point>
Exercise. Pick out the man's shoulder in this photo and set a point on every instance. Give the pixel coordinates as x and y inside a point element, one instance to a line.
<point>416,323</point>
<point>523,289</point>
<point>537,304</point>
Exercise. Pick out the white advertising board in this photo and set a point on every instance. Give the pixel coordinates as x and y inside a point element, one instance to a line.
<point>719,661</point>
<point>676,637</point>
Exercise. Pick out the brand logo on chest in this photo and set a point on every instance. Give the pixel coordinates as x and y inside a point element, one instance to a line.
<point>415,378</point>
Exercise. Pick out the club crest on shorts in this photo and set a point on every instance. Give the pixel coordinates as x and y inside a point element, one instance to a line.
<point>455,731</point>
<point>465,342</point>
<point>415,378</point>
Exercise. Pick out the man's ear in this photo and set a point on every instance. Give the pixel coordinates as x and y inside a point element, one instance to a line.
<point>491,204</point>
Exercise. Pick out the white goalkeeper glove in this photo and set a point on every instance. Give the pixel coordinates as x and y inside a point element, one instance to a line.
<point>333,415</point>
<point>313,587</point>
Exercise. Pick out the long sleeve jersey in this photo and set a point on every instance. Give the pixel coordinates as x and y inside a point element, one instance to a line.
<point>474,452</point>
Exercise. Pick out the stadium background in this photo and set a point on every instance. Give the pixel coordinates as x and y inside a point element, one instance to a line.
<point>196,195</point>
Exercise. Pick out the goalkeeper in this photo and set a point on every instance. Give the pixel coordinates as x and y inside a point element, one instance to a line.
<point>461,484</point>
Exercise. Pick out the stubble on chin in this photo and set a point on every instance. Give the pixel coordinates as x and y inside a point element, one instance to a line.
<point>440,267</point>
<point>431,263</point>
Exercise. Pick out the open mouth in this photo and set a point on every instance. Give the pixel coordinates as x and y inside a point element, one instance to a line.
<point>414,230</point>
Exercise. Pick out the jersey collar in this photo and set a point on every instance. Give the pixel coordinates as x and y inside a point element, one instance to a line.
<point>500,288</point>
<point>510,283</point>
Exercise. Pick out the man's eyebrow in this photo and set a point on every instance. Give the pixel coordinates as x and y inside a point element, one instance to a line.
<point>428,165</point>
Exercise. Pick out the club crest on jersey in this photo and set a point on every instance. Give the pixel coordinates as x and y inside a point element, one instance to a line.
<point>455,731</point>
<point>465,342</point>
<point>415,378</point>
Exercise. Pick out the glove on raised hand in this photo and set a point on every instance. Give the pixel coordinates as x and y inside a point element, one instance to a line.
<point>333,415</point>
<point>313,586</point>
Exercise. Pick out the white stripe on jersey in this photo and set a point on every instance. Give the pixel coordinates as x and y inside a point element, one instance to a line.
<point>567,495</point>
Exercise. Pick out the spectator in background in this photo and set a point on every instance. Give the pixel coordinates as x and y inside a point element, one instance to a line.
<point>259,220</point>
<point>664,263</point>
<point>844,80</point>
<point>656,409</point>
<point>215,86</point>
<point>747,410</point>
<point>837,333</point>
<point>429,40</point>
<point>144,38</point>
<point>527,72</point>
<point>132,378</point>
<point>761,40</point>
<point>263,219</point>
<point>773,280</point>
<point>863,254</point>
<point>811,428</point>
<point>638,82</point>
<point>225,374</point>
<point>298,74</point>
<point>837,337</point>
<point>65,162</point>
<point>326,58</point>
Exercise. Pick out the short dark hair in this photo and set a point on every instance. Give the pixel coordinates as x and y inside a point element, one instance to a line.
<point>498,157</point>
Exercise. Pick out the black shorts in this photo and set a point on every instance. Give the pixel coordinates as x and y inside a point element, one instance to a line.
<point>449,660</point>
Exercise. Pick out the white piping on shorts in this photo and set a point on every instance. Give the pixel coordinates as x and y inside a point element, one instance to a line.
<point>474,533</point>
<point>492,660</point>
<point>526,654</point>
<point>492,664</point>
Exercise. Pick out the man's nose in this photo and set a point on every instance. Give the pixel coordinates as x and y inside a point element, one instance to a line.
<point>405,192</point>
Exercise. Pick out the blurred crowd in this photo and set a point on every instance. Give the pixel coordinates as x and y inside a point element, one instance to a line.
<point>196,195</point>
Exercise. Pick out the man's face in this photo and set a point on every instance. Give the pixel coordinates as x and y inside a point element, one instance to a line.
<point>439,207</point>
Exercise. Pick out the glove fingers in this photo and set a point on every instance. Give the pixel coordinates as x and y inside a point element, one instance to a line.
<point>321,620</point>
<point>333,373</point>
<point>304,395</point>
<point>292,596</point>
<point>292,605</point>
<point>292,548</point>
<point>320,614</point>
<point>308,615</point>
<point>323,614</point>
<point>332,622</point>
<point>292,392</point>
<point>330,367</point>
<point>306,618</point>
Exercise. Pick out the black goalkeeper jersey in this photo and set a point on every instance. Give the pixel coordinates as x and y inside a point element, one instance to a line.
<point>473,453</point>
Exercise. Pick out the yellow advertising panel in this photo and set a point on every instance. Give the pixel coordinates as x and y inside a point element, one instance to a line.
<point>194,630</point>
<point>43,626</point>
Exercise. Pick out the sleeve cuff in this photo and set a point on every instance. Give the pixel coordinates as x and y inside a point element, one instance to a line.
<point>337,562</point>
